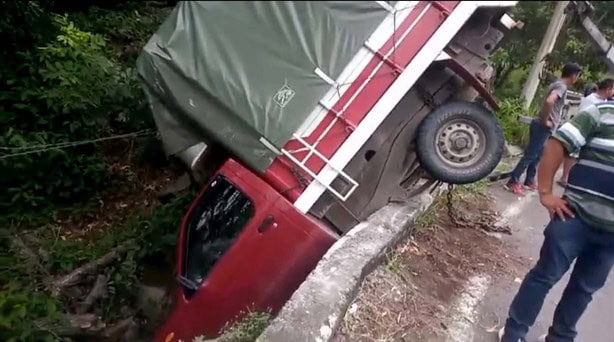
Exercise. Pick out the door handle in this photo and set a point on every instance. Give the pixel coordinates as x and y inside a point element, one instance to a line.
<point>267,223</point>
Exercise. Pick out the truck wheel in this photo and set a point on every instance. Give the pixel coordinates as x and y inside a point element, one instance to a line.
<point>460,142</point>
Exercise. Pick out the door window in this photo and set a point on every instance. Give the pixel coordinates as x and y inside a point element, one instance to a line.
<point>214,224</point>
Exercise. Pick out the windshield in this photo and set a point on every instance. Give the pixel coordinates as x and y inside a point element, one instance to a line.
<point>213,226</point>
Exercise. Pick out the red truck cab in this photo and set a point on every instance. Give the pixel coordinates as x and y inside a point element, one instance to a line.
<point>243,247</point>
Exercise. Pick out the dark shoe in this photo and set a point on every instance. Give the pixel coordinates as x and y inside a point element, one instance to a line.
<point>502,332</point>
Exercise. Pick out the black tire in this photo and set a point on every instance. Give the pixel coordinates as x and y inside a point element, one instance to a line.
<point>478,124</point>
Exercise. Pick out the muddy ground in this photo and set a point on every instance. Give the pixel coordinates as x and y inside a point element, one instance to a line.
<point>410,296</point>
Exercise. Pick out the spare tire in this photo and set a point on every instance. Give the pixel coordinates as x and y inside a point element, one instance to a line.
<point>460,142</point>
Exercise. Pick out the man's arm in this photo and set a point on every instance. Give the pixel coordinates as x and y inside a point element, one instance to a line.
<point>557,91</point>
<point>553,156</point>
<point>569,138</point>
<point>547,107</point>
<point>551,160</point>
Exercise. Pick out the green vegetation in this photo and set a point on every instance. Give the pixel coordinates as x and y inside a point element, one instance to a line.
<point>508,114</point>
<point>513,61</point>
<point>425,218</point>
<point>25,302</point>
<point>25,313</point>
<point>248,329</point>
<point>476,188</point>
<point>394,264</point>
<point>62,84</point>
<point>67,74</point>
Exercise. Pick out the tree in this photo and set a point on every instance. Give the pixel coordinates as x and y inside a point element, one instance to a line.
<point>572,45</point>
<point>521,46</point>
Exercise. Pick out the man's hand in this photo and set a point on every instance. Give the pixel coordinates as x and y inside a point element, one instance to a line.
<point>549,124</point>
<point>556,206</point>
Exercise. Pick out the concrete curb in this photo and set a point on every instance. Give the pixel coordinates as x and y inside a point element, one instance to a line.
<point>315,310</point>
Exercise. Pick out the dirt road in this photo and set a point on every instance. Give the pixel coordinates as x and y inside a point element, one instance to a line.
<point>527,219</point>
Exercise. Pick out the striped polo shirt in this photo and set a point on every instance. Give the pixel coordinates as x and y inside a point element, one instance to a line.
<point>591,133</point>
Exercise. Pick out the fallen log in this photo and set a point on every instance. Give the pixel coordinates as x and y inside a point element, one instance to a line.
<point>86,326</point>
<point>98,291</point>
<point>91,328</point>
<point>76,276</point>
<point>121,331</point>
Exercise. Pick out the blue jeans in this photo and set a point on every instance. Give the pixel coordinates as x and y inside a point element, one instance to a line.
<point>538,135</point>
<point>564,242</point>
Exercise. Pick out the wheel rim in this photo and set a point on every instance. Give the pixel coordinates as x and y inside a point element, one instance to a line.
<point>460,143</point>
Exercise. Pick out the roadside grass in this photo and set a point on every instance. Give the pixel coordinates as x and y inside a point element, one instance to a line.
<point>505,165</point>
<point>408,297</point>
<point>477,188</point>
<point>395,266</point>
<point>248,329</point>
<point>427,220</point>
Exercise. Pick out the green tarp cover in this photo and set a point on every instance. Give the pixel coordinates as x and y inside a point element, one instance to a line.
<point>236,72</point>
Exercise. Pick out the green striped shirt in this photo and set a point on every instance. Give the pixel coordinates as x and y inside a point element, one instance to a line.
<point>591,133</point>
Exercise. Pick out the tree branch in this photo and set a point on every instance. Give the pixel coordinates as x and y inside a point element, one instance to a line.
<point>98,290</point>
<point>77,275</point>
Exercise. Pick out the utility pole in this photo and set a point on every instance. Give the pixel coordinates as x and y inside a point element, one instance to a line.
<point>554,28</point>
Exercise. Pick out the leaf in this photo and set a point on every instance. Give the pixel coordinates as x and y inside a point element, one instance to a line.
<point>74,126</point>
<point>51,308</point>
<point>5,116</point>
<point>21,311</point>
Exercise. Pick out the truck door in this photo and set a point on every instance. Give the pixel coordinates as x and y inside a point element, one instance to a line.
<point>243,247</point>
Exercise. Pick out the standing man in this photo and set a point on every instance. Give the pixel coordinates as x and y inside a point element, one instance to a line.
<point>541,129</point>
<point>605,90</point>
<point>589,89</point>
<point>581,226</point>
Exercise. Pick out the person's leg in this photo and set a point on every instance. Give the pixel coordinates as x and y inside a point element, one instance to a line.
<point>563,242</point>
<point>536,143</point>
<point>589,275</point>
<point>532,168</point>
<point>524,161</point>
<point>541,139</point>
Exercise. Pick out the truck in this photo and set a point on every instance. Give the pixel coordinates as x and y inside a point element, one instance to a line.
<point>303,118</point>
